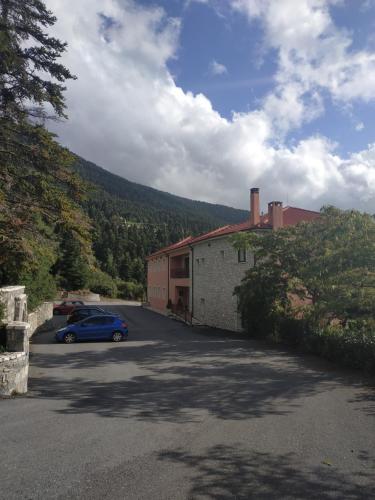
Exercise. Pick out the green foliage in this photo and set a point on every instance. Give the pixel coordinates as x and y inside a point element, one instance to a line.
<point>39,191</point>
<point>36,275</point>
<point>351,345</point>
<point>130,290</point>
<point>72,267</point>
<point>131,221</point>
<point>329,265</point>
<point>102,283</point>
<point>262,297</point>
<point>27,52</point>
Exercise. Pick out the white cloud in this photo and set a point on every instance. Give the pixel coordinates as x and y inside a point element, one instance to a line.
<point>128,115</point>
<point>359,126</point>
<point>217,68</point>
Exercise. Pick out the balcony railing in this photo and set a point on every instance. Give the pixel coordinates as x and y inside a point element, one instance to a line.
<point>179,273</point>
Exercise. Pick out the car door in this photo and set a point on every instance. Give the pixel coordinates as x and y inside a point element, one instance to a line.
<point>88,329</point>
<point>108,327</point>
<point>93,328</point>
<point>104,330</point>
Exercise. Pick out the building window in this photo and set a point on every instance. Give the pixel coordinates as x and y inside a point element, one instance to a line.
<point>202,260</point>
<point>222,253</point>
<point>197,261</point>
<point>242,255</point>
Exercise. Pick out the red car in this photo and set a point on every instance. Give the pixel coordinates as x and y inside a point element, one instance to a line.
<point>66,307</point>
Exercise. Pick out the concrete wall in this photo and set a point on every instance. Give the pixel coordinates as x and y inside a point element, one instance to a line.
<point>88,297</point>
<point>216,272</point>
<point>14,369</point>
<point>41,314</point>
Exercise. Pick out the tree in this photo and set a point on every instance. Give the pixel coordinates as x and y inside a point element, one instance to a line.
<point>23,90</point>
<point>39,191</point>
<point>329,263</point>
<point>72,266</point>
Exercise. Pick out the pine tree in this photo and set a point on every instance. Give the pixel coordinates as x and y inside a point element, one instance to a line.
<point>21,64</point>
<point>72,267</point>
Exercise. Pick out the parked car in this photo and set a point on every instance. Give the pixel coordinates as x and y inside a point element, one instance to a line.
<point>103,327</point>
<point>83,312</point>
<point>66,307</point>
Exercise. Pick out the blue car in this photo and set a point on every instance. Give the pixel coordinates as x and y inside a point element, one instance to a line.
<point>100,327</point>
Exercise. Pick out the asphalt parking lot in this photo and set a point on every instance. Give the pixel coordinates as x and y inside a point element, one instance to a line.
<point>185,413</point>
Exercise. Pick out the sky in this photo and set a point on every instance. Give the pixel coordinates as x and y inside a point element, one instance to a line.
<point>208,98</point>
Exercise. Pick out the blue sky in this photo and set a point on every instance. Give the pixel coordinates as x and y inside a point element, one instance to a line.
<point>219,34</point>
<point>207,98</point>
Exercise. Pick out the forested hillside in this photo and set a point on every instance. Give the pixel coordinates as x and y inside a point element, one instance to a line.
<point>130,220</point>
<point>79,226</point>
<point>183,210</point>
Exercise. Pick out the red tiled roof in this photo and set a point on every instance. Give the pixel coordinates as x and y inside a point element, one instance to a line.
<point>291,217</point>
<point>294,215</point>
<point>174,246</point>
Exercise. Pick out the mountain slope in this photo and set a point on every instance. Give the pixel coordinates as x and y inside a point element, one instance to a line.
<point>130,220</point>
<point>154,200</point>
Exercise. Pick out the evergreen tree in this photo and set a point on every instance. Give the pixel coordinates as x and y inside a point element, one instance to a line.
<point>21,64</point>
<point>72,267</point>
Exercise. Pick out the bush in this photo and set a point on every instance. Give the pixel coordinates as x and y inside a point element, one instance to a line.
<point>40,286</point>
<point>102,283</point>
<point>130,290</point>
<point>352,345</point>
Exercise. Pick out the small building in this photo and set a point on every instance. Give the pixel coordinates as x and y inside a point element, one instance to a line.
<point>200,274</point>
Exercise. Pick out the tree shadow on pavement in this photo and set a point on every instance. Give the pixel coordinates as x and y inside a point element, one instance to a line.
<point>175,382</point>
<point>173,372</point>
<point>223,472</point>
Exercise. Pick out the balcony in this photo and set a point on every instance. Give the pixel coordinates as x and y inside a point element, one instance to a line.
<point>179,273</point>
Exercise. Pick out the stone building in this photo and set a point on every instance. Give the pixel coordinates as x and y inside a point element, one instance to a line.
<point>201,273</point>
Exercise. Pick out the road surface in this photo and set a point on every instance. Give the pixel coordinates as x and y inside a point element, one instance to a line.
<point>185,413</point>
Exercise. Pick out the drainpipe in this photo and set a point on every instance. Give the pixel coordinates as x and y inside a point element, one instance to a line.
<point>192,283</point>
<point>168,279</point>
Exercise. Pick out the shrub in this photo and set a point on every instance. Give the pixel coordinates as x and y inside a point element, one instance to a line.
<point>352,345</point>
<point>102,283</point>
<point>130,290</point>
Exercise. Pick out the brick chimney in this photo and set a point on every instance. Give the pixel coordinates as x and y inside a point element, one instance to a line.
<point>254,206</point>
<point>275,214</point>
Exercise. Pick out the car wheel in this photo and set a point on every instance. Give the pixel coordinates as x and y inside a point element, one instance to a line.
<point>117,336</point>
<point>70,338</point>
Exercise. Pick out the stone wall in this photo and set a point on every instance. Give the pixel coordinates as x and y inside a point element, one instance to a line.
<point>14,369</point>
<point>14,364</point>
<point>216,272</point>
<point>15,301</point>
<point>41,314</point>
